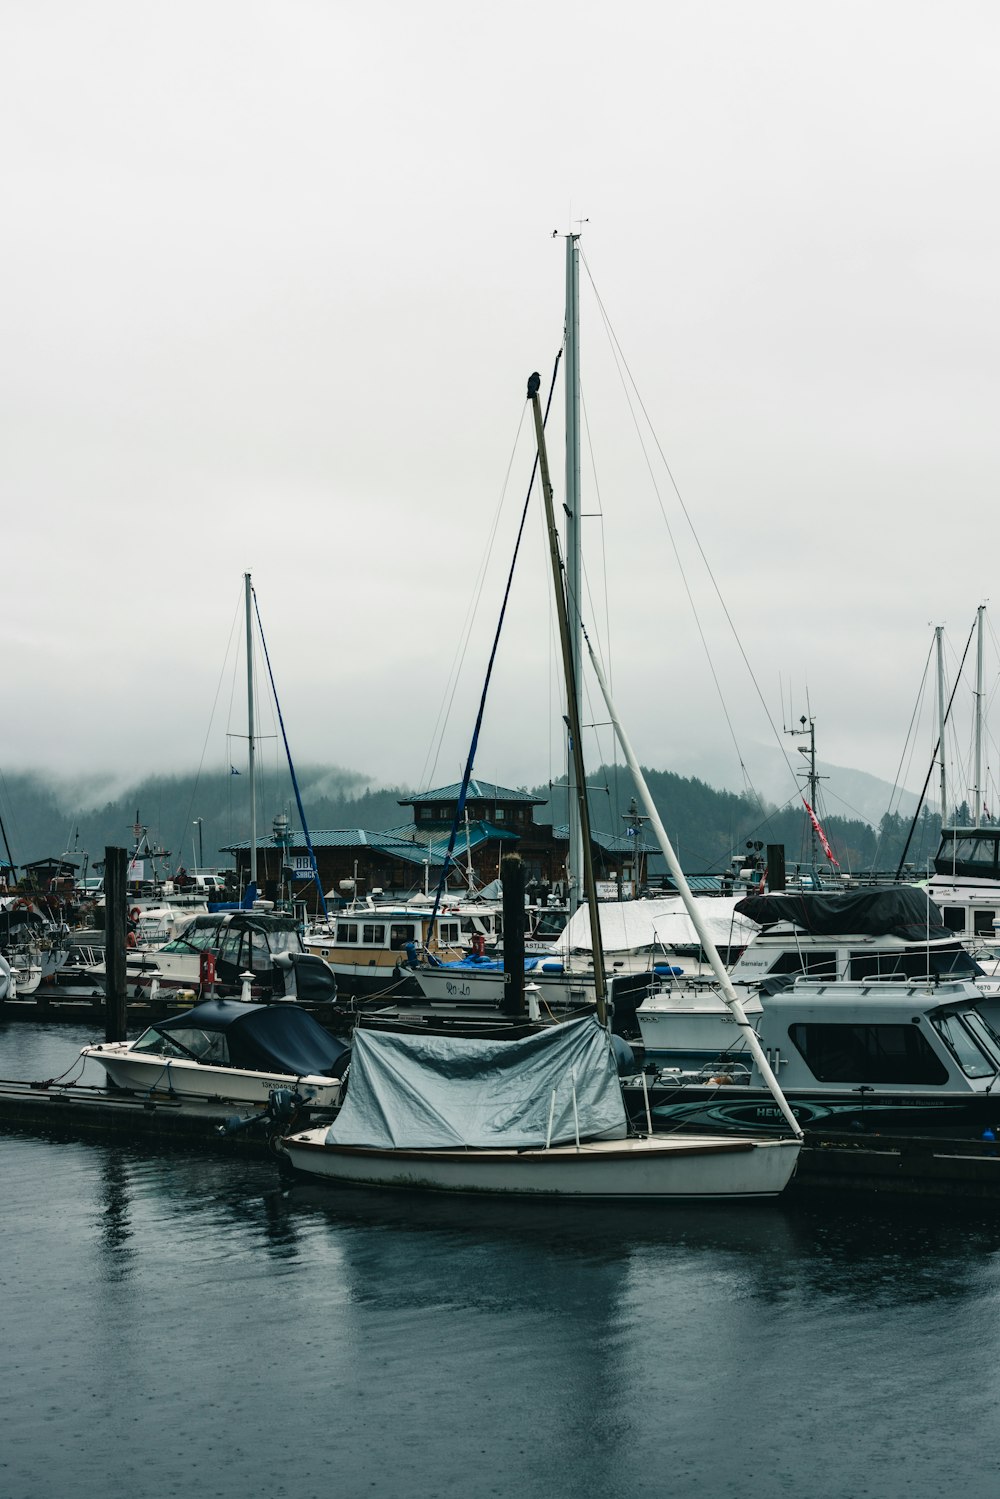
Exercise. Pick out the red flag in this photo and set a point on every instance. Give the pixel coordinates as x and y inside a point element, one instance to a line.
<point>820,833</point>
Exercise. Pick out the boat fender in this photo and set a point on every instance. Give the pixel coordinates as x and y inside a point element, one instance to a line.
<point>667,970</point>
<point>552,968</point>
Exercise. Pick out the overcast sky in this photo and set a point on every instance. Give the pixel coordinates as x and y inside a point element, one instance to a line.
<point>274,275</point>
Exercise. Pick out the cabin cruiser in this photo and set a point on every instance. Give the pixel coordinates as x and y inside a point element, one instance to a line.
<point>223,1049</point>
<point>965,884</point>
<point>871,1054</point>
<point>894,933</point>
<point>253,950</point>
<point>34,941</point>
<point>365,943</point>
<point>644,942</point>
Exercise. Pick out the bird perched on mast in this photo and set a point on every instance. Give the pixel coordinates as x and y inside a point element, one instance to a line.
<point>534,384</point>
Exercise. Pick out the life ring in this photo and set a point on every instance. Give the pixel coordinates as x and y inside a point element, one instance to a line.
<point>134,914</point>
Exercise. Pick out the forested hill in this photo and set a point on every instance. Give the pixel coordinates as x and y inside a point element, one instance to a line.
<point>707,826</point>
<point>45,817</point>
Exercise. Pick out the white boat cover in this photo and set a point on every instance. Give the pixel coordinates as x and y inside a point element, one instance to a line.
<point>409,1092</point>
<point>643,925</point>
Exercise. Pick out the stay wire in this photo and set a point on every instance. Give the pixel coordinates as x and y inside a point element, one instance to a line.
<point>429,770</point>
<point>470,762</point>
<point>619,355</point>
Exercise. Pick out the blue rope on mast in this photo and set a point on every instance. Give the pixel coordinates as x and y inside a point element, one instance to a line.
<point>291,767</point>
<point>467,777</point>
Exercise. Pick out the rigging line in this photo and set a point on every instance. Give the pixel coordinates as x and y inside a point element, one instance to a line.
<point>620,362</point>
<point>288,753</point>
<point>930,769</point>
<point>429,769</point>
<point>592,713</point>
<point>460,805</point>
<point>913,717</point>
<point>729,619</point>
<point>204,748</point>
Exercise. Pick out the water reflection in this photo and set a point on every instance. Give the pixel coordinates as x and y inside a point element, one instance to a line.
<point>115,1203</point>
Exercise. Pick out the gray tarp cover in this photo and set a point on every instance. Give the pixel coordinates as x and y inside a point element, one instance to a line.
<point>445,1092</point>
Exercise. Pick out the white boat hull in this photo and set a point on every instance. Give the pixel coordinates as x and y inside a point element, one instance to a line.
<point>650,1168</point>
<point>146,1072</point>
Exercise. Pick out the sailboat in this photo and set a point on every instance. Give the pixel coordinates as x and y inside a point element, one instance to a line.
<point>543,1115</point>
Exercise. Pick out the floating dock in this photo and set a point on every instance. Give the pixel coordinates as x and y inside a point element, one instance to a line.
<point>82,1111</point>
<point>880,1165</point>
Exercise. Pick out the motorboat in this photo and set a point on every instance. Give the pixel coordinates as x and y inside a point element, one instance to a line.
<point>541,1116</point>
<point>904,1056</point>
<point>261,944</point>
<point>224,1049</point>
<point>894,933</point>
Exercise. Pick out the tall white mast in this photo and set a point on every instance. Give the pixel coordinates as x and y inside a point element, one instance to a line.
<point>694,911</point>
<point>573,549</point>
<point>979,713</point>
<point>938,636</point>
<point>250,735</point>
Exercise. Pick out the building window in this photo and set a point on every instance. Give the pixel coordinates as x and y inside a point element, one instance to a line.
<point>499,815</point>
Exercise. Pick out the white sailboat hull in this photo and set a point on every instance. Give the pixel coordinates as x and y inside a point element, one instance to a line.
<point>145,1072</point>
<point>654,1168</point>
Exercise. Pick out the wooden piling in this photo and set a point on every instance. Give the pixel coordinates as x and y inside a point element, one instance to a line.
<point>115,917</point>
<point>775,866</point>
<point>512,878</point>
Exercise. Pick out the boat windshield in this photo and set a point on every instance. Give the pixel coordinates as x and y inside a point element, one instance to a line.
<point>202,1046</point>
<point>197,939</point>
<point>968,1042</point>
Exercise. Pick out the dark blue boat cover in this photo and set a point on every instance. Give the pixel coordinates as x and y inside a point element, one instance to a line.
<point>896,911</point>
<point>266,1038</point>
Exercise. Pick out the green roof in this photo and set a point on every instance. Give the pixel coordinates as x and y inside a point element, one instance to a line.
<point>478,791</point>
<point>403,843</point>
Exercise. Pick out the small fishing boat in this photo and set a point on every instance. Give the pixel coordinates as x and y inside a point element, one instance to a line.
<point>224,1049</point>
<point>542,1116</point>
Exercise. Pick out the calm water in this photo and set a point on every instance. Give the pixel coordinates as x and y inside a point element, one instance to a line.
<point>192,1326</point>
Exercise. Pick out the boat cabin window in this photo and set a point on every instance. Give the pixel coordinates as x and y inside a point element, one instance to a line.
<point>347,931</point>
<point>972,854</point>
<point>815,964</point>
<point>963,1044</point>
<point>982,923</point>
<point>836,1053</point>
<point>280,941</point>
<point>914,963</point>
<point>953,917</point>
<point>373,934</point>
<point>229,947</point>
<point>448,933</point>
<point>400,933</point>
<point>195,939</point>
<point>202,1046</point>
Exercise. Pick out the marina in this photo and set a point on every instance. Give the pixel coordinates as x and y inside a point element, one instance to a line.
<point>499,786</point>
<point>442,1329</point>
